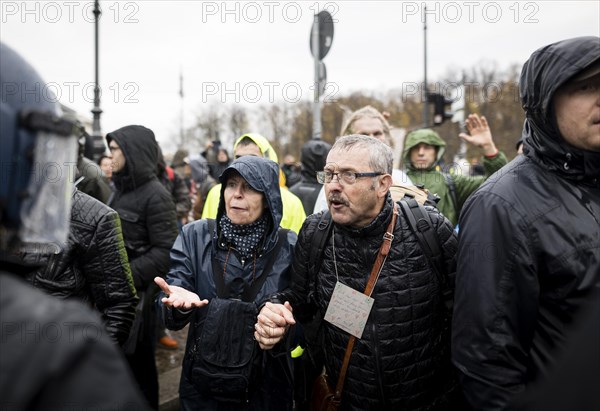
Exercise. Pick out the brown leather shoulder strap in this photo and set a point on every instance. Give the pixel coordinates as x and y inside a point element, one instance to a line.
<point>383,252</point>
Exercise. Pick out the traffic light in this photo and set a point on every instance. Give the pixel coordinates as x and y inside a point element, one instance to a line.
<point>439,102</point>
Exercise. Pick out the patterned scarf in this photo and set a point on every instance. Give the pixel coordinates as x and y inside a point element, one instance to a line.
<point>244,238</point>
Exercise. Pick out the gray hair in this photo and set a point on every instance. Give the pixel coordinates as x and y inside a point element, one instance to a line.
<point>381,156</point>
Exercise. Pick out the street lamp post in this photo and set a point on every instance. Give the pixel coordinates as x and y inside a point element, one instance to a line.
<point>98,143</point>
<point>425,86</point>
<point>317,97</point>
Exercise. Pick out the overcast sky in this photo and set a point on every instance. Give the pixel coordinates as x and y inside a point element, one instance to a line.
<point>254,52</point>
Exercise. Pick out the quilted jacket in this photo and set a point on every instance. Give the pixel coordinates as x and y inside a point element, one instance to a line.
<point>93,267</point>
<point>402,360</point>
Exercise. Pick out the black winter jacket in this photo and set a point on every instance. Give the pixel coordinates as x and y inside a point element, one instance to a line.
<point>146,208</point>
<point>56,355</point>
<point>92,267</point>
<point>313,158</point>
<point>402,361</point>
<point>529,252</point>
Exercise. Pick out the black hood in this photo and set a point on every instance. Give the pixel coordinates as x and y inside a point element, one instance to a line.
<point>313,158</point>
<point>547,69</point>
<point>140,149</point>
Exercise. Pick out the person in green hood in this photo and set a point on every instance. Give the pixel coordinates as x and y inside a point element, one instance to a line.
<point>423,150</point>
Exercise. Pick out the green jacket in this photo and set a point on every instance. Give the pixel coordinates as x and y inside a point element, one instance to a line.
<point>434,180</point>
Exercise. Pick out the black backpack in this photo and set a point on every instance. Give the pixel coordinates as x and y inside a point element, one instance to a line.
<point>421,225</point>
<point>225,362</point>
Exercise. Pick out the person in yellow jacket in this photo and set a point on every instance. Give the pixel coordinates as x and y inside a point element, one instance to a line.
<point>253,144</point>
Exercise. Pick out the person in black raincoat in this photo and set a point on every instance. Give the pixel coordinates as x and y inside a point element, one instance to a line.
<point>244,240</point>
<point>529,246</point>
<point>149,223</point>
<point>312,158</point>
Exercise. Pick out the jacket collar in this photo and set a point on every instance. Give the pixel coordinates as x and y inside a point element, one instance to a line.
<point>375,227</point>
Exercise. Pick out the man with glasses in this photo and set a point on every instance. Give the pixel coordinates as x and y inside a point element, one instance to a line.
<point>401,357</point>
<point>367,121</point>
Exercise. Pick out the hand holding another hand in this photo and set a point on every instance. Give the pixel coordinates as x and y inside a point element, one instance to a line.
<point>272,324</point>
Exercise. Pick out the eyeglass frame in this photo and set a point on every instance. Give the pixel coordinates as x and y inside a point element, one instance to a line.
<point>322,180</point>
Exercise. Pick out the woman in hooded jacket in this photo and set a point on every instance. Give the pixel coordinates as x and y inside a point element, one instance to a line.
<point>214,265</point>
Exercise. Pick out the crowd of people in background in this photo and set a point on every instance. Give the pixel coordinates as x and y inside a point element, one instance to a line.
<point>402,287</point>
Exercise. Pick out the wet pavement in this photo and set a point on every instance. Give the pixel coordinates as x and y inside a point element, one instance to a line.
<point>168,363</point>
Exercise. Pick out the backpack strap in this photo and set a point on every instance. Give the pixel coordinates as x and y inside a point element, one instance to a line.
<point>312,329</point>
<point>319,239</point>
<point>452,189</point>
<point>250,293</point>
<point>420,224</point>
<point>317,245</point>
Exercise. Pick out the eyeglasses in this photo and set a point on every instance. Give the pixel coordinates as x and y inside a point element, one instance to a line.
<point>347,177</point>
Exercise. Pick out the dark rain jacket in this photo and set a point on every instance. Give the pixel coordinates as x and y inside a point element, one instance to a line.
<point>93,266</point>
<point>529,254</point>
<point>191,268</point>
<point>313,158</point>
<point>146,208</point>
<point>434,180</point>
<point>402,361</point>
<point>56,354</point>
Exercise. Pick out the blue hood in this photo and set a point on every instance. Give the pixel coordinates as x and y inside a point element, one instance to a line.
<point>263,176</point>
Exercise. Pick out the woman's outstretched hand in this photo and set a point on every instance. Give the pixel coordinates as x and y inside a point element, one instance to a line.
<point>179,297</point>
